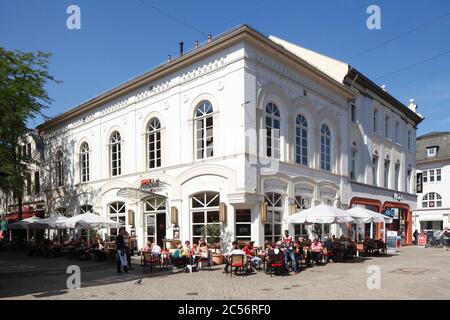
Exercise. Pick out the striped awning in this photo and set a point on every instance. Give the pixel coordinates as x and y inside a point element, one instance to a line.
<point>139,194</point>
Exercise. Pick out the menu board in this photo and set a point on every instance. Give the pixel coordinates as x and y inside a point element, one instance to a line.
<point>391,241</point>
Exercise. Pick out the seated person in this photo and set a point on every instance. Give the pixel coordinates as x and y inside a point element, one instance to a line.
<point>328,243</point>
<point>298,253</point>
<point>147,247</point>
<point>249,251</point>
<point>186,253</point>
<point>235,251</point>
<point>316,251</point>
<point>176,257</point>
<point>156,250</point>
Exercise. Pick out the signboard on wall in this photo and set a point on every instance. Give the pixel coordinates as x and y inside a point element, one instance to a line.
<point>422,239</point>
<point>419,183</point>
<point>391,241</point>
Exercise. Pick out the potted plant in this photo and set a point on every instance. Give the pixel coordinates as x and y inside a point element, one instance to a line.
<point>211,233</point>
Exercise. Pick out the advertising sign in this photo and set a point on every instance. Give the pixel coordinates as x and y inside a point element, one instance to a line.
<point>422,239</point>
<point>419,184</point>
<point>391,241</point>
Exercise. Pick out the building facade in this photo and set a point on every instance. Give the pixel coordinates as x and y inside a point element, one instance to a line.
<point>433,168</point>
<point>238,133</point>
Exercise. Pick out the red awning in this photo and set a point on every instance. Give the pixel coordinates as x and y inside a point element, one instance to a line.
<point>14,217</point>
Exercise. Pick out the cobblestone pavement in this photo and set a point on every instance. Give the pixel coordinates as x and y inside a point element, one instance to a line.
<point>412,273</point>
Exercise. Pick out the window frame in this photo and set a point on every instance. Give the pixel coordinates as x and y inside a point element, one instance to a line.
<point>325,148</point>
<point>301,140</point>
<point>275,203</point>
<point>115,148</point>
<point>204,112</point>
<point>272,125</point>
<point>59,164</point>
<point>154,143</point>
<point>84,162</point>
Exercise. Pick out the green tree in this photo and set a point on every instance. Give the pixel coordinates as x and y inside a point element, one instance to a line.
<point>23,77</point>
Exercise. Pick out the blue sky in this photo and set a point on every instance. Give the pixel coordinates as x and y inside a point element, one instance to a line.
<point>121,39</point>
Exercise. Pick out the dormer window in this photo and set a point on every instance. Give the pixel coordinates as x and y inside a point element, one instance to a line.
<point>431,152</point>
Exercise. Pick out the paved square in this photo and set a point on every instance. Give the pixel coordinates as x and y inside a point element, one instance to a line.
<point>413,273</point>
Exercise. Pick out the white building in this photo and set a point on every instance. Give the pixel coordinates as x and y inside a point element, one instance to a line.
<point>228,128</point>
<point>433,167</point>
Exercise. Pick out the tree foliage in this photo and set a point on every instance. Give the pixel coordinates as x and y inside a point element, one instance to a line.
<point>23,97</point>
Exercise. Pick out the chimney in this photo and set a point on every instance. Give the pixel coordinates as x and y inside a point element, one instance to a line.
<point>412,105</point>
<point>196,44</point>
<point>169,58</point>
<point>209,38</point>
<point>181,48</point>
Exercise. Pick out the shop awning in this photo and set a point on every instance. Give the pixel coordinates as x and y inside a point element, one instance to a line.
<point>139,194</point>
<point>431,217</point>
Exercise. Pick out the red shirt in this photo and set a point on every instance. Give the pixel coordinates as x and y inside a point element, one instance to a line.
<point>247,251</point>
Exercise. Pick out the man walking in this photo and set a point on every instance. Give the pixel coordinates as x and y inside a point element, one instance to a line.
<point>121,253</point>
<point>288,243</point>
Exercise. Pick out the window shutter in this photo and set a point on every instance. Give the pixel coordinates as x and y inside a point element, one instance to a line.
<point>223,212</point>
<point>174,215</point>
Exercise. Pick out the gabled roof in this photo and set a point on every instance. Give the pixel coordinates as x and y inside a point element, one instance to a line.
<point>441,140</point>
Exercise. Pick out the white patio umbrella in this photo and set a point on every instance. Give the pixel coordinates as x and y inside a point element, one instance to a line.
<point>320,214</point>
<point>363,215</point>
<point>27,223</point>
<point>51,222</point>
<point>87,221</point>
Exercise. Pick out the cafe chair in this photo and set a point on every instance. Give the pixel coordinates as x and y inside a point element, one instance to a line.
<point>207,260</point>
<point>237,263</point>
<point>149,260</point>
<point>276,266</point>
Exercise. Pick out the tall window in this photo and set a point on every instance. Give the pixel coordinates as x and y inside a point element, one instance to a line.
<point>375,170</point>
<point>397,176</point>
<point>375,120</point>
<point>353,164</point>
<point>204,128</point>
<point>301,140</point>
<point>272,131</point>
<point>116,154</point>
<point>397,132</point>
<point>272,227</point>
<point>59,168</point>
<point>325,148</point>
<point>438,175</point>
<point>29,187</point>
<point>205,211</point>
<point>154,143</point>
<point>386,127</point>
<point>243,224</point>
<point>425,176</point>
<point>432,200</point>
<point>37,183</point>
<point>84,161</point>
<point>117,213</point>
<point>387,164</point>
<point>353,110</point>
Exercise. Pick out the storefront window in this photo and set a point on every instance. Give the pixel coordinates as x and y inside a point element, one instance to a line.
<point>243,225</point>
<point>205,212</point>
<point>272,227</point>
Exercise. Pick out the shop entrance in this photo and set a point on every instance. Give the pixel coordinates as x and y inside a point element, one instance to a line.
<point>155,220</point>
<point>402,221</point>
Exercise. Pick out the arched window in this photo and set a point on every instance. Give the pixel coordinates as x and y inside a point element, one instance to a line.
<point>432,200</point>
<point>86,208</point>
<point>301,140</point>
<point>272,227</point>
<point>59,168</point>
<point>325,148</point>
<point>204,137</point>
<point>116,154</point>
<point>154,143</point>
<point>205,213</point>
<point>116,212</point>
<point>84,162</point>
<point>272,131</point>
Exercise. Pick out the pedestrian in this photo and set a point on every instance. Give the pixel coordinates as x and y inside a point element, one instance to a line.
<point>120,252</point>
<point>416,235</point>
<point>288,243</point>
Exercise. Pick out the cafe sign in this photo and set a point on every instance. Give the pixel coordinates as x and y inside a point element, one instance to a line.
<point>152,185</point>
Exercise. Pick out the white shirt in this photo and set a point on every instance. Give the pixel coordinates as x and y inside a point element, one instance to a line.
<point>237,252</point>
<point>156,248</point>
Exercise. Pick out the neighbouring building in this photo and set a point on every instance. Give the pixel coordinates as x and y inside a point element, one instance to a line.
<point>239,132</point>
<point>433,171</point>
